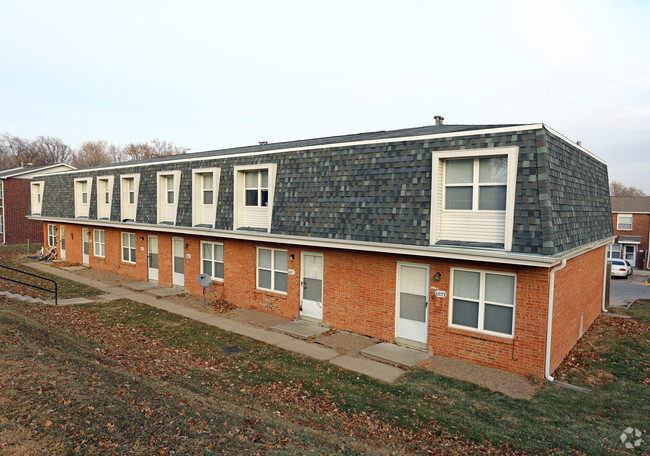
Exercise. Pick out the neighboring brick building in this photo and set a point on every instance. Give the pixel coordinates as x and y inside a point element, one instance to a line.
<point>467,241</point>
<point>631,221</point>
<point>15,192</point>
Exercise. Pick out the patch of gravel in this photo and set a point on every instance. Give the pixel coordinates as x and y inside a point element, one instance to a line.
<point>345,343</point>
<point>255,318</point>
<point>507,383</point>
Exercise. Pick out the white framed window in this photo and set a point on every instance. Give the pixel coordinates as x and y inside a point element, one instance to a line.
<point>105,196</point>
<point>83,188</point>
<point>483,301</point>
<point>624,222</point>
<point>129,189</point>
<point>253,195</point>
<point>205,193</point>
<point>473,195</point>
<point>99,242</point>
<point>168,188</point>
<point>128,247</point>
<point>51,235</point>
<point>212,259</point>
<point>614,251</point>
<point>272,269</point>
<point>36,197</point>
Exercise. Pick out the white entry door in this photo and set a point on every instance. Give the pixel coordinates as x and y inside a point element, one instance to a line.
<point>62,241</point>
<point>629,253</point>
<point>85,239</point>
<point>178,262</point>
<point>153,257</point>
<point>311,300</point>
<point>412,301</point>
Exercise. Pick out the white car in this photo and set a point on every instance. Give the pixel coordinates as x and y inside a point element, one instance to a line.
<point>620,268</point>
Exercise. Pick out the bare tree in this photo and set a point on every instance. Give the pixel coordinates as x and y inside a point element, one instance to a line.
<point>93,153</point>
<point>15,151</point>
<point>162,147</point>
<point>618,189</point>
<point>138,151</point>
<point>51,150</point>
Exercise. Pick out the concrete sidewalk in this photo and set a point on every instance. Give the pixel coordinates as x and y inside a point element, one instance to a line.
<point>374,369</point>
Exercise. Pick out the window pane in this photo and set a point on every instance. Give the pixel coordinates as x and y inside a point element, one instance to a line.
<point>207,196</point>
<point>265,198</point>
<point>251,179</point>
<point>498,319</point>
<point>207,267</point>
<point>125,253</point>
<point>412,307</point>
<point>103,250</point>
<point>170,182</point>
<point>459,171</point>
<point>493,170</point>
<point>179,265</point>
<point>313,290</point>
<point>207,180</point>
<point>218,252</point>
<point>132,240</point>
<point>500,288</point>
<point>281,260</point>
<point>106,197</point>
<point>251,197</point>
<point>265,258</point>
<point>465,313</point>
<point>131,197</point>
<point>218,270</point>
<point>170,197</point>
<point>84,198</point>
<point>132,251</point>
<point>264,278</point>
<point>281,281</point>
<point>207,251</point>
<point>458,198</point>
<point>466,284</point>
<point>492,198</point>
<point>265,179</point>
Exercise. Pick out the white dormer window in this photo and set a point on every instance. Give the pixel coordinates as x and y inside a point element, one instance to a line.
<point>37,197</point>
<point>168,186</point>
<point>205,193</point>
<point>129,186</point>
<point>254,192</point>
<point>104,197</point>
<point>83,188</point>
<point>473,196</point>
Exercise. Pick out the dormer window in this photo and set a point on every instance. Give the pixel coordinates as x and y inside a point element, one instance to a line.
<point>254,191</point>
<point>476,184</point>
<point>205,193</point>
<point>36,197</point>
<point>104,197</point>
<point>82,189</point>
<point>129,186</point>
<point>257,188</point>
<point>168,187</point>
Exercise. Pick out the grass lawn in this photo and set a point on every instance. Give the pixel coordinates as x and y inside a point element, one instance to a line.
<point>123,378</point>
<point>15,256</point>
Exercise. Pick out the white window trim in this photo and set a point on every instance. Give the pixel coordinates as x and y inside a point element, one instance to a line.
<point>481,306</point>
<point>215,279</point>
<point>100,197</point>
<point>136,188</point>
<point>160,191</point>
<point>122,246</point>
<point>196,205</point>
<point>618,222</point>
<point>80,209</point>
<point>272,169</point>
<point>36,194</point>
<point>273,270</point>
<point>511,152</point>
<point>97,244</point>
<point>51,236</point>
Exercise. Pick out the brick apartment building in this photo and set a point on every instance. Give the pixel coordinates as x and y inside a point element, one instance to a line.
<point>631,221</point>
<point>15,183</point>
<point>464,240</point>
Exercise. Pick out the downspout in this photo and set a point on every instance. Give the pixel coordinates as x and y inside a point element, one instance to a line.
<point>549,323</point>
<point>2,200</point>
<point>605,289</point>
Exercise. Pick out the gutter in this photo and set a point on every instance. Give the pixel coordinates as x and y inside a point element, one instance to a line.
<point>549,321</point>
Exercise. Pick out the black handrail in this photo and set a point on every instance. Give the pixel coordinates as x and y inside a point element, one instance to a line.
<point>56,287</point>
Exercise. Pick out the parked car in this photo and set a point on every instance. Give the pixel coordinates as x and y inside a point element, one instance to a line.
<point>621,268</point>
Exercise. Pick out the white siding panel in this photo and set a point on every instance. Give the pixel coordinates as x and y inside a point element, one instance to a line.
<point>473,227</point>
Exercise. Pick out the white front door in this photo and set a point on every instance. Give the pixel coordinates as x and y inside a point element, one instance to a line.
<point>178,262</point>
<point>311,300</point>
<point>62,241</point>
<point>412,301</point>
<point>153,257</point>
<point>630,254</point>
<point>85,239</point>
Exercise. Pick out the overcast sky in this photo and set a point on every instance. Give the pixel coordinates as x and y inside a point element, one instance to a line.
<point>211,75</point>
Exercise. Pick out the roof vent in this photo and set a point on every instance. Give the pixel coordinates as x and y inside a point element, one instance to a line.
<point>579,143</point>
<point>263,143</point>
<point>439,120</point>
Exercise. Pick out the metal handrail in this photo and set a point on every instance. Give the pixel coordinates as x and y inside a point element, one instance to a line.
<point>56,287</point>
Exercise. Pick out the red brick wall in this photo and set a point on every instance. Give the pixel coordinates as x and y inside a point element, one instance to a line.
<point>577,302</point>
<point>360,294</point>
<point>640,227</point>
<point>18,229</point>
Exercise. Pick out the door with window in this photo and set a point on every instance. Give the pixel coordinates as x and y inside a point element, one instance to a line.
<point>311,301</point>
<point>629,253</point>
<point>62,241</point>
<point>178,262</point>
<point>412,302</point>
<point>85,239</point>
<point>152,257</point>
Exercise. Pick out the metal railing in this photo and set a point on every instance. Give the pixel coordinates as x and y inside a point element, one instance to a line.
<point>56,287</point>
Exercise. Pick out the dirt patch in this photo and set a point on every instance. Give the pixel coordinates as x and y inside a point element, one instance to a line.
<point>255,318</point>
<point>345,343</point>
<point>103,276</point>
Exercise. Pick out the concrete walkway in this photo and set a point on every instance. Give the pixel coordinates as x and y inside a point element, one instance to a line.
<point>374,369</point>
<point>624,292</point>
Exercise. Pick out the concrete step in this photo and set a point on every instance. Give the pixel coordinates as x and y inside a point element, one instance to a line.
<point>395,354</point>
<point>300,329</point>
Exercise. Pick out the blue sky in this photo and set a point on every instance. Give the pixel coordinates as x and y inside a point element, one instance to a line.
<point>210,75</point>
